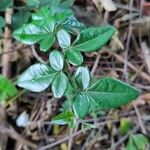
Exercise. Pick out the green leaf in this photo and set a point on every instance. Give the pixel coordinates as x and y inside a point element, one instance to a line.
<point>56,60</point>
<point>137,142</point>
<point>67,3</point>
<point>64,38</point>
<point>140,141</point>
<point>7,89</point>
<point>29,34</point>
<point>82,76</point>
<point>72,22</point>
<point>74,57</point>
<point>130,145</point>
<point>20,18</point>
<point>59,85</point>
<point>44,19</point>
<point>105,93</point>
<point>41,3</point>
<point>37,77</point>
<point>5,4</point>
<point>85,103</point>
<point>2,22</point>
<point>125,125</point>
<point>63,118</point>
<point>46,43</point>
<point>114,93</point>
<point>93,38</point>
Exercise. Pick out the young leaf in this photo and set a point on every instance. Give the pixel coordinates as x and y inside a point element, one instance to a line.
<point>137,142</point>
<point>140,141</point>
<point>82,76</point>
<point>56,60</point>
<point>105,93</point>
<point>37,77</point>
<point>64,38</point>
<point>125,125</point>
<point>44,19</point>
<point>93,38</point>
<point>59,85</point>
<point>74,57</point>
<point>29,34</point>
<point>63,118</point>
<point>7,89</point>
<point>46,43</point>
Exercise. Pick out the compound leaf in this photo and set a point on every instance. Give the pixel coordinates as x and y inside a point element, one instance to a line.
<point>105,93</point>
<point>37,77</point>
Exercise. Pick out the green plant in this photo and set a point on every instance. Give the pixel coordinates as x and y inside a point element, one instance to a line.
<point>51,26</point>
<point>7,89</point>
<point>137,142</point>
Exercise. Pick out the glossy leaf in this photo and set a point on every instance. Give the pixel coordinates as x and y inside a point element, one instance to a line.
<point>114,93</point>
<point>56,60</point>
<point>82,76</point>
<point>41,3</point>
<point>84,103</point>
<point>105,93</point>
<point>7,89</point>
<point>67,3</point>
<point>72,22</point>
<point>93,38</point>
<point>64,38</point>
<point>37,77</point>
<point>59,85</point>
<point>29,34</point>
<point>5,4</point>
<point>46,43</point>
<point>74,57</point>
<point>44,19</point>
<point>20,18</point>
<point>63,118</point>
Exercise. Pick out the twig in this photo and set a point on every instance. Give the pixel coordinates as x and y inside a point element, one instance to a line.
<point>95,64</point>
<point>7,44</point>
<point>128,42</point>
<point>37,56</point>
<point>142,74</point>
<point>140,119</point>
<point>75,134</point>
<point>146,53</point>
<point>13,134</point>
<point>70,139</point>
